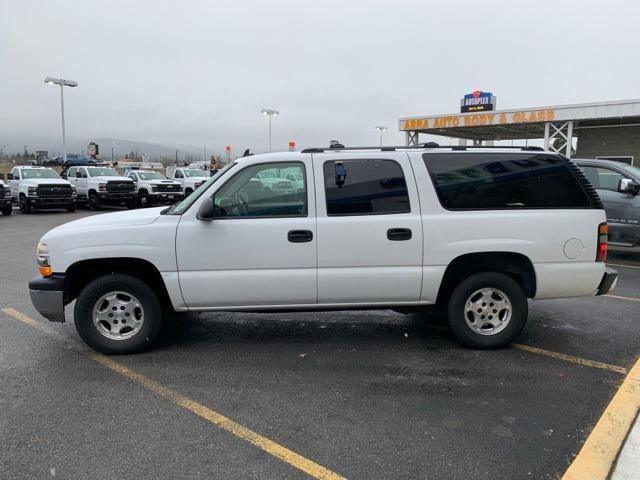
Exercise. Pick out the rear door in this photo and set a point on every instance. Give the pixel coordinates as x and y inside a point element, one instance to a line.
<point>369,229</point>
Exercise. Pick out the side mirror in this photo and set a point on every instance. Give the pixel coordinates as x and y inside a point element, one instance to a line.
<point>626,185</point>
<point>206,210</point>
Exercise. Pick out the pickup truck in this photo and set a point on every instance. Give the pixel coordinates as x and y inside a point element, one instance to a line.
<point>153,188</point>
<point>98,186</point>
<point>6,206</point>
<point>475,232</point>
<point>40,187</point>
<point>189,178</point>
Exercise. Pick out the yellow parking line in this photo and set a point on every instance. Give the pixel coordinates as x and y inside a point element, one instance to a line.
<point>619,297</point>
<point>599,452</point>
<point>570,358</point>
<point>288,456</point>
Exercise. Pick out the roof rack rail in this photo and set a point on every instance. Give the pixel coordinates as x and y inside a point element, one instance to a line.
<point>423,146</point>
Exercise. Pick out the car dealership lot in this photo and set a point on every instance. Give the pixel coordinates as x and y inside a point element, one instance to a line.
<point>359,394</point>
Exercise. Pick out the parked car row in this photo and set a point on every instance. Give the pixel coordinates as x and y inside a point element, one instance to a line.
<point>36,187</point>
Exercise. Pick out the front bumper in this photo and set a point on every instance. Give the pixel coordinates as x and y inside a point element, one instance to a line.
<point>165,197</point>
<point>47,295</point>
<point>111,198</point>
<point>608,282</point>
<point>55,202</point>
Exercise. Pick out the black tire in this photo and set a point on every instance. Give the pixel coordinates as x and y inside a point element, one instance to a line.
<point>187,192</point>
<point>152,311</point>
<point>94,201</point>
<point>131,204</point>
<point>457,319</point>
<point>24,205</point>
<point>71,207</point>
<point>7,210</point>
<point>143,199</point>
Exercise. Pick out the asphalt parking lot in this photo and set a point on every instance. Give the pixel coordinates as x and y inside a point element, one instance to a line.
<point>366,395</point>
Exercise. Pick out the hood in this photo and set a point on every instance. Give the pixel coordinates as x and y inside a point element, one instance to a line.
<point>164,182</point>
<point>44,181</point>
<point>106,178</point>
<point>126,218</point>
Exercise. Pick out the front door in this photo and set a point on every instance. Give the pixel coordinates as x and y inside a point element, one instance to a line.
<point>369,229</point>
<point>260,250</point>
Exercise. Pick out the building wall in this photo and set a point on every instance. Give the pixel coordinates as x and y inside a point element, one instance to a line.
<point>613,141</point>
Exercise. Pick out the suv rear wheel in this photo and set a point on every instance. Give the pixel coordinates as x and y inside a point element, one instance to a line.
<point>7,210</point>
<point>487,310</point>
<point>117,314</point>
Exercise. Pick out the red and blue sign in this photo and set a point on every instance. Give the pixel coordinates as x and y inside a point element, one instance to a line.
<point>477,101</point>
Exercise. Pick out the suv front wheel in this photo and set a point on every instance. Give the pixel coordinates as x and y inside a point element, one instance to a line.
<point>487,310</point>
<point>117,314</point>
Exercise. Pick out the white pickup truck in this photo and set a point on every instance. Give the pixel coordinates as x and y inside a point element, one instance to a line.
<point>153,188</point>
<point>474,231</point>
<point>40,187</point>
<point>98,186</point>
<point>189,178</point>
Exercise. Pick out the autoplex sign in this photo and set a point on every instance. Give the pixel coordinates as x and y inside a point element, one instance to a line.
<point>478,101</point>
<point>478,120</point>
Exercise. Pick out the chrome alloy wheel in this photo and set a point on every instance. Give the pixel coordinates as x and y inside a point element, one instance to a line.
<point>487,311</point>
<point>118,315</point>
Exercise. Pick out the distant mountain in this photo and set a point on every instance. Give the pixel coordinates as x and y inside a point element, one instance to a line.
<point>153,151</point>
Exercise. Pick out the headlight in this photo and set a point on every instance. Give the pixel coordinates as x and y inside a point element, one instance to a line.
<point>73,190</point>
<point>154,188</point>
<point>42,254</point>
<point>102,187</point>
<point>32,191</point>
<point>7,193</point>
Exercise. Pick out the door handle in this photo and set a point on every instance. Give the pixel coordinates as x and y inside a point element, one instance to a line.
<point>300,236</point>
<point>398,234</point>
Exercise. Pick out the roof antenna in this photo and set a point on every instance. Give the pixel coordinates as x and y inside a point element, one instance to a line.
<point>247,153</point>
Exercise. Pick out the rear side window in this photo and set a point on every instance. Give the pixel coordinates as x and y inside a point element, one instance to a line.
<point>481,181</point>
<point>365,187</point>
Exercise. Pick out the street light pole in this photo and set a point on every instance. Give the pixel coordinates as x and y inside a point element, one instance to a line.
<point>270,112</point>
<point>381,129</point>
<point>177,156</point>
<point>63,83</point>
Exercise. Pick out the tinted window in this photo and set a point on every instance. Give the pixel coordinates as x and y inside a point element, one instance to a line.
<point>365,187</point>
<point>263,191</point>
<point>504,180</point>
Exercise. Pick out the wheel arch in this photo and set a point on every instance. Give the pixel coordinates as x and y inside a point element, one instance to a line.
<point>79,274</point>
<point>517,265</point>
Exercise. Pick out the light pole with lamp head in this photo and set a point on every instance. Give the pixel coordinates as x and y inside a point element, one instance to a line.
<point>381,129</point>
<point>270,113</point>
<point>63,83</point>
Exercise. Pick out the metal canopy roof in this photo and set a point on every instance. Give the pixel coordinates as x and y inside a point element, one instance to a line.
<point>525,123</point>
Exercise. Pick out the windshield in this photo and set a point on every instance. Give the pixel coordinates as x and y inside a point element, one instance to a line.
<point>183,206</point>
<point>39,173</point>
<point>102,172</point>
<point>151,176</point>
<point>195,172</point>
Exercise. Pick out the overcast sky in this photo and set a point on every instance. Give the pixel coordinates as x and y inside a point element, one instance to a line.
<point>192,71</point>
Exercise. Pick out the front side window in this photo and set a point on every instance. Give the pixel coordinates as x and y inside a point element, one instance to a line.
<point>179,174</point>
<point>603,178</point>
<point>477,181</point>
<point>39,173</point>
<point>263,191</point>
<point>196,172</point>
<point>365,187</point>
<point>72,172</point>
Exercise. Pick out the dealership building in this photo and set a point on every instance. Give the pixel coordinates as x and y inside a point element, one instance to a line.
<point>605,130</point>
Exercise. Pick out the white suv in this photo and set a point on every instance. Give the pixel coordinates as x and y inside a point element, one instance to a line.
<point>475,231</point>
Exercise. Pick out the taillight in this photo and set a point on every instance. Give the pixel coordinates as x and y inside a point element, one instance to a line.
<point>603,234</point>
